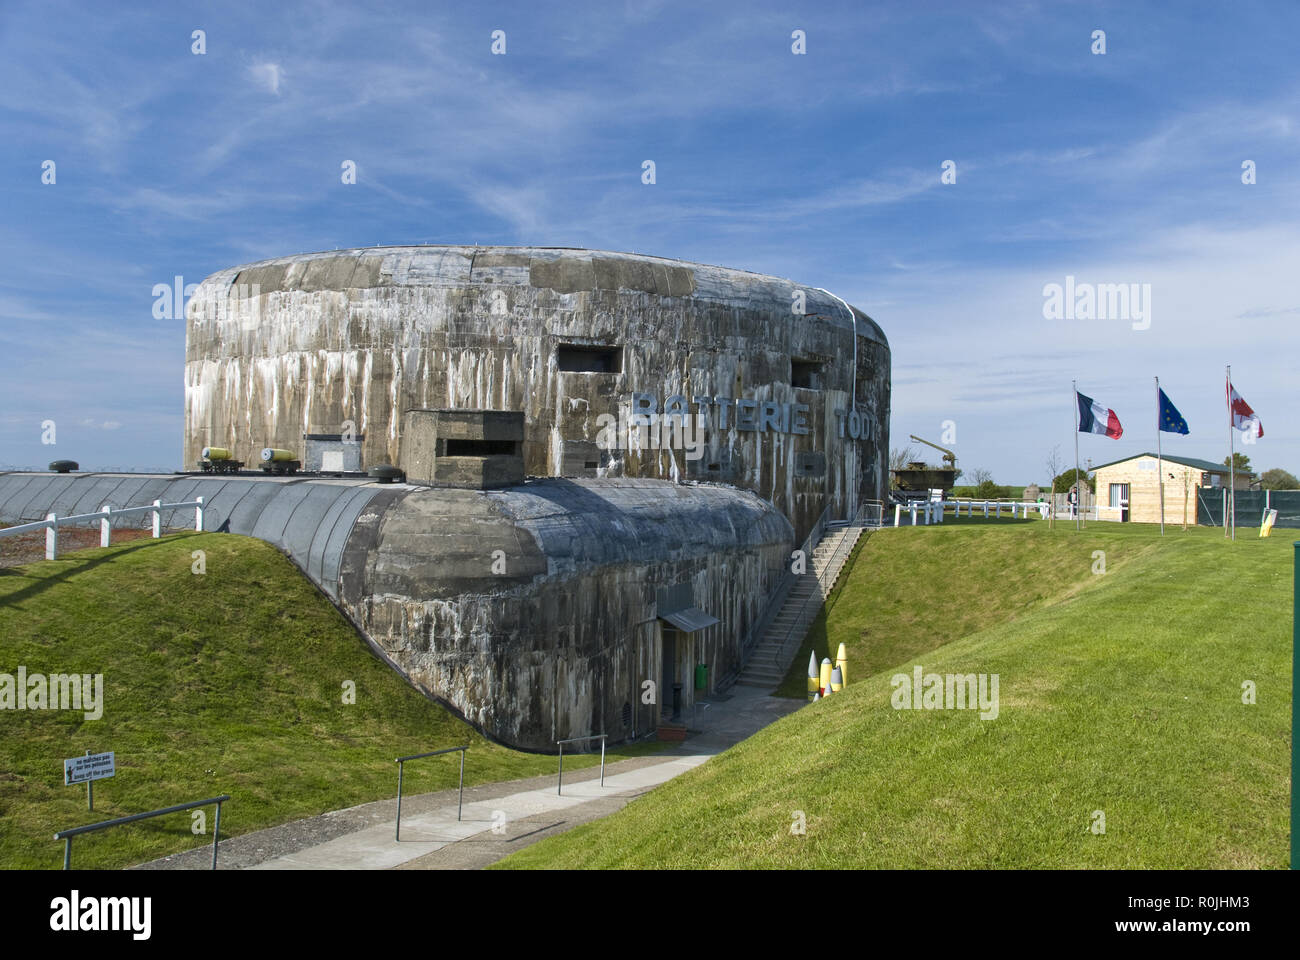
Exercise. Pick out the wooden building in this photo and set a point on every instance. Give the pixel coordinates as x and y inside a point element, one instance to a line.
<point>1129,489</point>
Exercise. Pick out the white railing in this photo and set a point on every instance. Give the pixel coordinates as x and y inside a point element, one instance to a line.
<point>931,511</point>
<point>105,516</point>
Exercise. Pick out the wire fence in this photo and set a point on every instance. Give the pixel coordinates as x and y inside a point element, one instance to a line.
<point>1250,508</point>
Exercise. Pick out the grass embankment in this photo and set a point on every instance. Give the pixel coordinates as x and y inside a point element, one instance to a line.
<point>227,682</point>
<point>902,595</point>
<point>1120,695</point>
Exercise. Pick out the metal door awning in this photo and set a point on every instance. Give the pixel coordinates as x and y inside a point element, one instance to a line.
<point>675,605</point>
<point>690,619</point>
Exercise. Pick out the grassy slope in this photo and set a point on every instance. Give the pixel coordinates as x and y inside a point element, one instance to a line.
<point>903,595</point>
<point>1124,697</point>
<point>229,682</point>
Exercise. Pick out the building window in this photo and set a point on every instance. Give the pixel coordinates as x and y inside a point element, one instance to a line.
<point>806,374</point>
<point>584,358</point>
<point>1118,494</point>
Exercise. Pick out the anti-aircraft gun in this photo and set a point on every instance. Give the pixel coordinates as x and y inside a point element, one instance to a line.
<point>917,479</point>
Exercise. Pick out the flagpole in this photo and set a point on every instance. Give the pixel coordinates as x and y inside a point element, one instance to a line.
<point>1078,492</point>
<point>1229,522</point>
<point>1160,464</point>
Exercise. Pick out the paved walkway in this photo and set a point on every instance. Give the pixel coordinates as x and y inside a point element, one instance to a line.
<point>497,818</point>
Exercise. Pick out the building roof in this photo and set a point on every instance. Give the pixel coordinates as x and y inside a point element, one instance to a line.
<point>562,269</point>
<point>1192,462</point>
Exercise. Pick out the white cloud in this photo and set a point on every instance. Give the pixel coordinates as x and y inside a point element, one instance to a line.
<point>267,75</point>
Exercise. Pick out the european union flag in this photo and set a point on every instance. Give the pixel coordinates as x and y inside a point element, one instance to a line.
<point>1171,421</point>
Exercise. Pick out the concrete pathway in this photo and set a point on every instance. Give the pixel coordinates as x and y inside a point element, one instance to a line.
<point>497,818</point>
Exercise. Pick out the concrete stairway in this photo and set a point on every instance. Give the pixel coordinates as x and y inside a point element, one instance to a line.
<point>770,658</point>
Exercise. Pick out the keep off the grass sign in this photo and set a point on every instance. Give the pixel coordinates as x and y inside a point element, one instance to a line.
<point>93,766</point>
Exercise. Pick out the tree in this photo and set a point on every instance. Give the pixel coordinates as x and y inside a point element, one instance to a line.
<point>1240,461</point>
<point>979,476</point>
<point>1278,479</point>
<point>900,457</point>
<point>1054,464</point>
<point>1066,480</point>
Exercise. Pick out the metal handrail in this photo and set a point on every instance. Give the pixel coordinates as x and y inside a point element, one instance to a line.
<point>819,593</point>
<point>67,835</point>
<point>401,761</point>
<point>776,601</point>
<point>559,783</point>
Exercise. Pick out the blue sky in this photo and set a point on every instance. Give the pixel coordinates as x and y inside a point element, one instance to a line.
<point>825,168</point>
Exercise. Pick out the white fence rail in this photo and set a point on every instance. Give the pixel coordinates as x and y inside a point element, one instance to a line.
<point>106,515</point>
<point>931,511</point>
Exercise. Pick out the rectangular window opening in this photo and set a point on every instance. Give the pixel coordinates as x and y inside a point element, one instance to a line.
<point>583,358</point>
<point>481,448</point>
<point>806,374</point>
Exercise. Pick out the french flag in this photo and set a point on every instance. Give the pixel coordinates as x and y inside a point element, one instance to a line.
<point>1094,418</point>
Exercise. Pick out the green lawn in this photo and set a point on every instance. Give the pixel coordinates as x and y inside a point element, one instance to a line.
<point>1118,693</point>
<point>227,682</point>
<point>902,594</point>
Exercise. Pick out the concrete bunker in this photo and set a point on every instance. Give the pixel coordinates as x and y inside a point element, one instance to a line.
<point>609,457</point>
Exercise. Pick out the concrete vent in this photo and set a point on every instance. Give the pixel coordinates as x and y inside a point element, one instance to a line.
<point>473,449</point>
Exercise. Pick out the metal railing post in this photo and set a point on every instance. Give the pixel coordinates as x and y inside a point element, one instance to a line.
<point>401,766</point>
<point>106,526</point>
<point>198,514</point>
<point>67,835</point>
<point>397,831</point>
<point>460,798</point>
<point>216,832</point>
<point>51,537</point>
<point>157,519</point>
<point>1295,712</point>
<point>602,737</point>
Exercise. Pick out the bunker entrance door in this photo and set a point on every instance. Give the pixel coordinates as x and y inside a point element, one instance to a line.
<point>669,671</point>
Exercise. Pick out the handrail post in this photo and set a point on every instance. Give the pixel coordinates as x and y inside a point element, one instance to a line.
<point>198,514</point>
<point>559,783</point>
<point>106,526</point>
<point>52,537</point>
<point>460,799</point>
<point>67,835</point>
<point>602,760</point>
<point>157,519</point>
<point>401,767</point>
<point>216,832</point>
<point>397,831</point>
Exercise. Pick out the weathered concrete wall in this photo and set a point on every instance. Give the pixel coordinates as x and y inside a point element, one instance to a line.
<point>529,610</point>
<point>303,344</point>
<point>532,610</point>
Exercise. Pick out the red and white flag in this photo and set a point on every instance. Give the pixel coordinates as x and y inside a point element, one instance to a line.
<point>1243,418</point>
